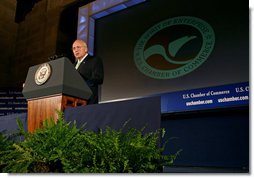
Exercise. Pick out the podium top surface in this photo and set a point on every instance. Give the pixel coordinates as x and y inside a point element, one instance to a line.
<point>55,77</point>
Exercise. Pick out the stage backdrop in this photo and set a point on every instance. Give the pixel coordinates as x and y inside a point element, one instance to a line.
<point>162,46</point>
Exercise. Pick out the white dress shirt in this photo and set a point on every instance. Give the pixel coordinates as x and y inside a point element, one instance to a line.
<point>80,61</point>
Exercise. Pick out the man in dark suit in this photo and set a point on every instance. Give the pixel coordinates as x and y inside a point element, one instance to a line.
<point>89,67</point>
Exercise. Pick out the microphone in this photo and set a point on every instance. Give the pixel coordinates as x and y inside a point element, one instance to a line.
<point>56,56</point>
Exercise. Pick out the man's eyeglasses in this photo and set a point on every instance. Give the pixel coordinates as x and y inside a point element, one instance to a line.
<point>77,47</point>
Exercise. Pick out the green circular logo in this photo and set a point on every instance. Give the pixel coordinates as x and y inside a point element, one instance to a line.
<point>174,47</point>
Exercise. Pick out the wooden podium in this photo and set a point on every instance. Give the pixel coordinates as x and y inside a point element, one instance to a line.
<point>52,87</point>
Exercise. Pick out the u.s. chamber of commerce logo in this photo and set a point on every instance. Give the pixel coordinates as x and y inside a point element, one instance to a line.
<point>42,74</point>
<point>174,47</point>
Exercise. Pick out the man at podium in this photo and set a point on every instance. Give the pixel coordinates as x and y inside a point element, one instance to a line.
<point>89,67</point>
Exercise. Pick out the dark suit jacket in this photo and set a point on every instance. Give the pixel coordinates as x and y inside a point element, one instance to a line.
<point>91,69</point>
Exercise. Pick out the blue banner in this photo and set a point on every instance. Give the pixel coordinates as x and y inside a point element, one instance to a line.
<point>12,101</point>
<point>206,98</point>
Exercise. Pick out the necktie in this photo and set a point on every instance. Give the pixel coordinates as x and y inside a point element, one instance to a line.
<point>78,63</point>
